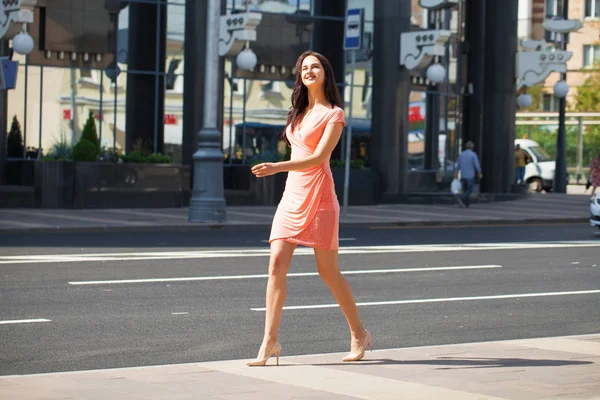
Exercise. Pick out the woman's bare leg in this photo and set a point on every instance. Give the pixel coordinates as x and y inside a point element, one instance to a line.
<point>279,264</point>
<point>329,270</point>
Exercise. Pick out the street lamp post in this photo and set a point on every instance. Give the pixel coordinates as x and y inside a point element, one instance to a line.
<point>208,200</point>
<point>534,64</point>
<point>560,173</point>
<point>225,36</point>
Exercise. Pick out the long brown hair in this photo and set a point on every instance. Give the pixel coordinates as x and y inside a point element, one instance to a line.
<point>300,92</point>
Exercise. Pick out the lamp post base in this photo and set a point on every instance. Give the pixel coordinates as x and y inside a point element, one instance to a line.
<point>207,210</point>
<point>208,200</point>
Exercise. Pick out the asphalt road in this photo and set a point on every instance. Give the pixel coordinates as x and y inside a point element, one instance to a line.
<point>150,298</point>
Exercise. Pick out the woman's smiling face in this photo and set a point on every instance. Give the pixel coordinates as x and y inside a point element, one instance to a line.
<point>313,74</point>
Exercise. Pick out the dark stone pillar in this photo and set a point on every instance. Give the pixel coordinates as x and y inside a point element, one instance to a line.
<point>141,88</point>
<point>4,52</point>
<point>328,36</point>
<point>475,30</point>
<point>391,88</point>
<point>499,98</point>
<point>193,92</point>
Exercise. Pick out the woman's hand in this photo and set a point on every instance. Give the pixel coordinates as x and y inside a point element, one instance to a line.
<point>265,169</point>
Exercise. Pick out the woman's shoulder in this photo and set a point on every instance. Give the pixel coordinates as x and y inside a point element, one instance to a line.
<point>336,114</point>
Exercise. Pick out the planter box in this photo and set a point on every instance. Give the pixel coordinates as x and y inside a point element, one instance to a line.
<point>54,184</point>
<point>364,187</point>
<point>20,172</point>
<point>243,188</point>
<point>130,185</point>
<point>61,184</point>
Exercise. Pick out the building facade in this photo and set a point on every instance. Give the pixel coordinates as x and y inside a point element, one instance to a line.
<point>142,80</point>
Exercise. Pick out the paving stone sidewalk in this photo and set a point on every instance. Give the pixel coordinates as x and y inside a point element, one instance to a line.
<point>561,367</point>
<point>540,208</point>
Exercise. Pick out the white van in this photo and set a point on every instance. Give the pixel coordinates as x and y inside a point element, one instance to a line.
<point>539,173</point>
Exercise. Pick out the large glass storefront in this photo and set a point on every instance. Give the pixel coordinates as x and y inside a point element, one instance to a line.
<point>137,100</point>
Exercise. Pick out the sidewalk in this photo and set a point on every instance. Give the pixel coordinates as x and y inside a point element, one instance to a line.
<point>542,208</point>
<point>565,367</point>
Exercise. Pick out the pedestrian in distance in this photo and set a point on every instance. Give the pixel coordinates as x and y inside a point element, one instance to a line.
<point>521,161</point>
<point>469,168</point>
<point>308,213</point>
<point>594,177</point>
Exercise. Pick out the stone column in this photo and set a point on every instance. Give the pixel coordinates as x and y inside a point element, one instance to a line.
<point>499,97</point>
<point>4,50</point>
<point>475,29</point>
<point>391,88</point>
<point>328,36</point>
<point>142,110</point>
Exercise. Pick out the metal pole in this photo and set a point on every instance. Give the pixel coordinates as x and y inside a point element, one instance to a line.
<point>244,125</point>
<point>101,110</point>
<point>231,147</point>
<point>25,108</point>
<point>208,202</point>
<point>349,133</point>
<point>72,74</point>
<point>579,148</point>
<point>156,79</point>
<point>560,173</point>
<point>115,113</point>
<point>39,154</point>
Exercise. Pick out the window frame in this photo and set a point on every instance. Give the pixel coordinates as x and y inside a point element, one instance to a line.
<point>594,12</point>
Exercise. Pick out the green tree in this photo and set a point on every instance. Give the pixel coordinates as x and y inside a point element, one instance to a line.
<point>588,94</point>
<point>90,133</point>
<point>14,143</point>
<point>588,99</point>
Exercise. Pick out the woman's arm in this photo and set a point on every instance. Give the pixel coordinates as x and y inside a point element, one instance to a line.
<point>330,138</point>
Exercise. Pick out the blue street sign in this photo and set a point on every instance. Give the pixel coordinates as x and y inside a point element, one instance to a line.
<point>8,74</point>
<point>353,28</point>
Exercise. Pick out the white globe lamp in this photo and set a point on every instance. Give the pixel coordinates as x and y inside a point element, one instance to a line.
<point>561,89</point>
<point>23,43</point>
<point>524,100</point>
<point>436,73</point>
<point>246,59</point>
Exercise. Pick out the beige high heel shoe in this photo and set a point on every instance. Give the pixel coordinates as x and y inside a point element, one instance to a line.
<point>366,341</point>
<point>275,350</point>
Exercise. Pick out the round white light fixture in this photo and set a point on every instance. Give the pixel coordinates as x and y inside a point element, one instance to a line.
<point>561,89</point>
<point>23,43</point>
<point>246,59</point>
<point>524,100</point>
<point>436,73</point>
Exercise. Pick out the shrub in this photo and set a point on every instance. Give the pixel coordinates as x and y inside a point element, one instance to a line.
<point>85,150</point>
<point>14,144</point>
<point>61,151</point>
<point>90,133</point>
<point>158,158</point>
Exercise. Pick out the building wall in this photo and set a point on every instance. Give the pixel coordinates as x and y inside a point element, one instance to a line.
<point>588,35</point>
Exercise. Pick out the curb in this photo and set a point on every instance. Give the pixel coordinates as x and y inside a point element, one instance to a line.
<point>191,227</point>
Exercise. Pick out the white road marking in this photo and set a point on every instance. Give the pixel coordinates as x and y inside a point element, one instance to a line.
<point>294,274</point>
<point>179,313</point>
<point>23,321</point>
<point>441,300</point>
<point>236,253</point>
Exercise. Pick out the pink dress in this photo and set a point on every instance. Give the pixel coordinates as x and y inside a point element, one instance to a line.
<point>309,213</point>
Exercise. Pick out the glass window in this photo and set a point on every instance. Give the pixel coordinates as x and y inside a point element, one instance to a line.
<point>592,8</point>
<point>551,8</point>
<point>591,54</point>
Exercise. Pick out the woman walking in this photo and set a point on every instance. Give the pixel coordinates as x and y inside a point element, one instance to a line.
<point>595,174</point>
<point>308,213</point>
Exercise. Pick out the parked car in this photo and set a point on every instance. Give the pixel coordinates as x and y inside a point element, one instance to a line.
<point>595,210</point>
<point>539,172</point>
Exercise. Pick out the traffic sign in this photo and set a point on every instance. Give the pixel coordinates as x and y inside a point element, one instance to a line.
<point>353,28</point>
